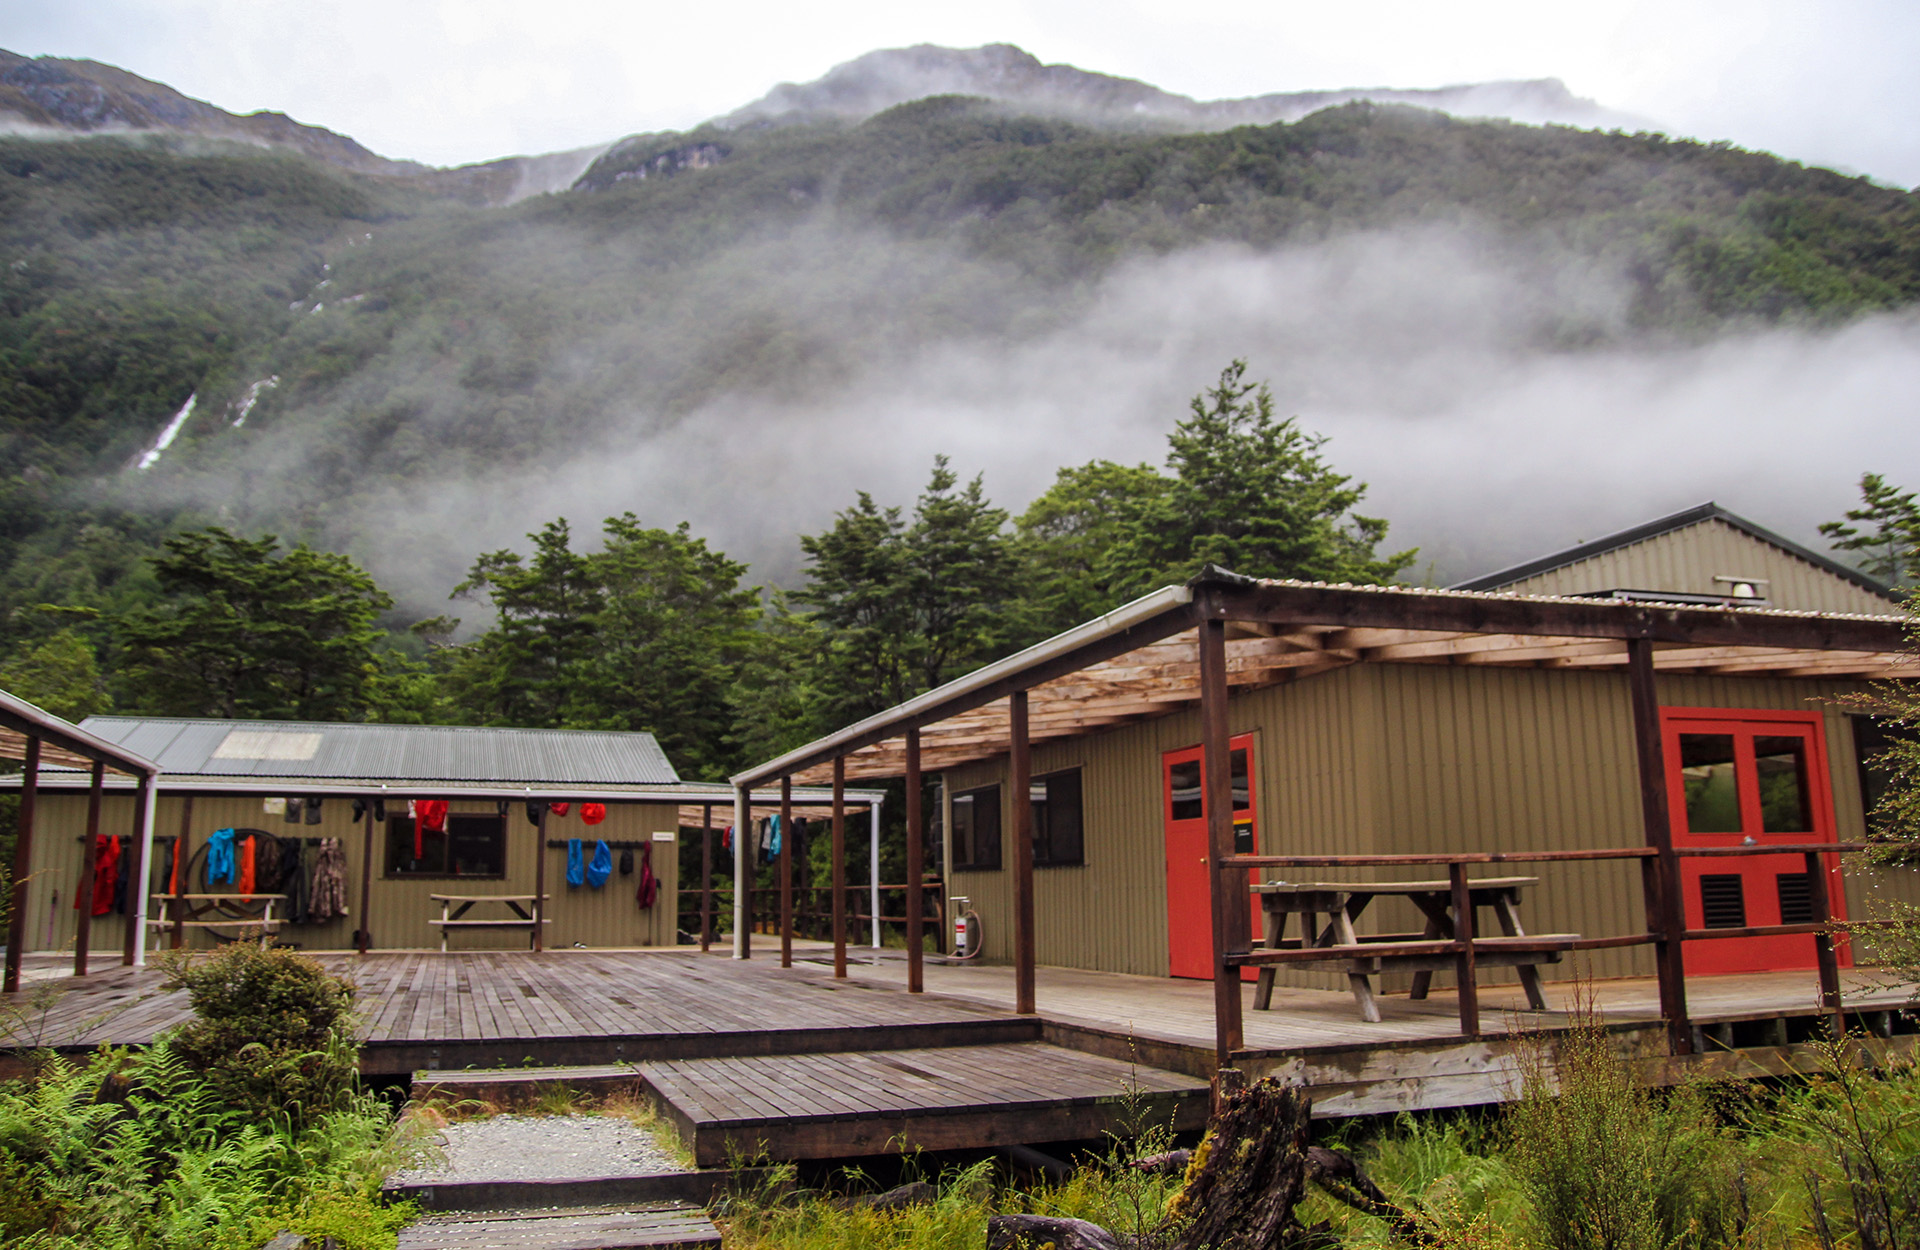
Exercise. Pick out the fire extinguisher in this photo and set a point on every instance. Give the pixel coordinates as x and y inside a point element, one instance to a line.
<point>966,931</point>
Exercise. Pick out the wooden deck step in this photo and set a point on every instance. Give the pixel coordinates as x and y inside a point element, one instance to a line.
<point>651,1227</point>
<point>831,1106</point>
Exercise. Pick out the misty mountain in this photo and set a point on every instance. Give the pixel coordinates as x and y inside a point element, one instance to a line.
<point>743,324</point>
<point>880,80</point>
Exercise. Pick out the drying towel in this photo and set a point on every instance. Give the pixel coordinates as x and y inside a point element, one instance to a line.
<point>576,867</point>
<point>220,857</point>
<point>593,813</point>
<point>246,865</point>
<point>602,866</point>
<point>328,898</point>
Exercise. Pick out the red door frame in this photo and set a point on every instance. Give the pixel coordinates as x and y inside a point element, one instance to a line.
<point>1758,873</point>
<point>1189,884</point>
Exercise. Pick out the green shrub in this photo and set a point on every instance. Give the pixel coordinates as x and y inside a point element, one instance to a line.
<point>272,1031</point>
<point>1604,1163</point>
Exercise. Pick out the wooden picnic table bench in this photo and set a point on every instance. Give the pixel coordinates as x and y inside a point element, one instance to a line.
<point>1342,902</point>
<point>189,908</point>
<point>453,907</point>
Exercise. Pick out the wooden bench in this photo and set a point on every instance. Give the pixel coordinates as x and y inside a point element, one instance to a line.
<point>453,907</point>
<point>1342,902</point>
<point>189,908</point>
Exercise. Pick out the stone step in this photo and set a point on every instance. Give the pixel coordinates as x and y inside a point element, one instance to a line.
<point>653,1227</point>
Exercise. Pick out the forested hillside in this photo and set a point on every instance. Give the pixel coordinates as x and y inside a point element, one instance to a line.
<point>354,344</point>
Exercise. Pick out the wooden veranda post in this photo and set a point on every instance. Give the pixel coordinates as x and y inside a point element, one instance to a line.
<point>133,945</point>
<point>706,876</point>
<point>22,864</point>
<point>1020,757</point>
<point>1662,872</point>
<point>540,880</point>
<point>1829,963</point>
<point>742,873</point>
<point>363,932</point>
<point>180,882</point>
<point>786,872</point>
<point>916,867</point>
<point>839,865</point>
<point>1463,969</point>
<point>89,865</point>
<point>1232,921</point>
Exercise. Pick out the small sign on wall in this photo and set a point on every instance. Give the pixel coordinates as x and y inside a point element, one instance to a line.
<point>665,835</point>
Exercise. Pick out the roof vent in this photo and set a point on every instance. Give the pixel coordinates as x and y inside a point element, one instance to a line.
<point>255,744</point>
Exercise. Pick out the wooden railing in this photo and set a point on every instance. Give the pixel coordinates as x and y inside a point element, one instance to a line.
<point>1664,926</point>
<point>814,917</point>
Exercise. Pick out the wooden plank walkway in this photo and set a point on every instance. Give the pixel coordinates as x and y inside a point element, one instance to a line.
<point>833,1106</point>
<point>658,1227</point>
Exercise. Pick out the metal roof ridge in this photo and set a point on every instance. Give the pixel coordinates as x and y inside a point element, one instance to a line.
<point>1708,511</point>
<point>1459,592</point>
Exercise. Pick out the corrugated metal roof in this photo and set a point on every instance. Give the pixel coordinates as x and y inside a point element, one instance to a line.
<point>193,748</point>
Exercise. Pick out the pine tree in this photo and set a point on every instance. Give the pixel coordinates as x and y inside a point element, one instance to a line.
<point>1889,546</point>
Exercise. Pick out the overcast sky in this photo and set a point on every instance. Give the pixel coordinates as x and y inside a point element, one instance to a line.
<point>451,81</point>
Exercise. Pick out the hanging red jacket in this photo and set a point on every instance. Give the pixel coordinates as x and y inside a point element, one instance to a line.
<point>559,809</point>
<point>649,884</point>
<point>593,813</point>
<point>106,869</point>
<point>245,857</point>
<point>429,816</point>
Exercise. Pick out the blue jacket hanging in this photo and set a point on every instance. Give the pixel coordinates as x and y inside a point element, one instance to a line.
<point>220,858</point>
<point>576,867</point>
<point>602,866</point>
<point>773,843</point>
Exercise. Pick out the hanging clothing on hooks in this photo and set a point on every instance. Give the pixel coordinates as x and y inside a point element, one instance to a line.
<point>601,867</point>
<point>329,897</point>
<point>576,866</point>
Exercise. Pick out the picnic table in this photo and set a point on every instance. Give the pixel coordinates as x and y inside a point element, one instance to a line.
<point>1342,902</point>
<point>188,910</point>
<point>454,907</point>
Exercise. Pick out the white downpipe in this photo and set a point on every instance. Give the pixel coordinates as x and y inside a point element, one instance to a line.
<point>873,870</point>
<point>742,862</point>
<point>146,870</point>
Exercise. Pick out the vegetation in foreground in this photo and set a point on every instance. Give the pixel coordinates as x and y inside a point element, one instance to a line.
<point>241,1124</point>
<point>1588,1159</point>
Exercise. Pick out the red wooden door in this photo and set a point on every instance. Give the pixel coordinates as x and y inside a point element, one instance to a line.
<point>1738,777</point>
<point>1189,893</point>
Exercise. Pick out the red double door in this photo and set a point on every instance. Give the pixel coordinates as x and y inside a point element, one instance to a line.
<point>1189,883</point>
<point>1737,777</point>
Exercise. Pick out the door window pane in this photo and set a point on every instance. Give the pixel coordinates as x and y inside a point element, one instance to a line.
<point>1183,780</point>
<point>1707,772</point>
<point>1242,785</point>
<point>1782,766</point>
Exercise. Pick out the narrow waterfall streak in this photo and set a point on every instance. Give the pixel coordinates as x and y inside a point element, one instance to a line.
<point>152,456</point>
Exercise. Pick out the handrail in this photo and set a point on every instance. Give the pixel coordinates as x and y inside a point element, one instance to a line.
<point>1462,857</point>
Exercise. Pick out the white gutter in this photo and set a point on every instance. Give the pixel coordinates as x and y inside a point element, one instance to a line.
<point>145,886</point>
<point>1121,618</point>
<point>202,783</point>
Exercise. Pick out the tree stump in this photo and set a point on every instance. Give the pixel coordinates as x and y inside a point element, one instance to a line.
<point>1248,1175</point>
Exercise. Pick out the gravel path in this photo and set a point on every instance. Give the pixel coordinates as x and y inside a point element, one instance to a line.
<point>544,1147</point>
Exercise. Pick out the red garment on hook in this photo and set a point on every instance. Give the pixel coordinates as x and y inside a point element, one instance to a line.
<point>429,816</point>
<point>593,813</point>
<point>559,809</point>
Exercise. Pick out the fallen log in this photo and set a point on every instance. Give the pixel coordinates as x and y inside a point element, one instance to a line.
<point>1036,1232</point>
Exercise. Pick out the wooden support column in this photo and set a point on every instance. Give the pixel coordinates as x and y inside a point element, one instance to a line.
<point>1829,963</point>
<point>1020,772</point>
<point>1665,919</point>
<point>89,865</point>
<point>363,931</point>
<point>180,882</point>
<point>133,949</point>
<point>1232,917</point>
<point>786,872</point>
<point>742,874</point>
<point>839,865</point>
<point>916,866</point>
<point>540,880</point>
<point>1463,969</point>
<point>706,876</point>
<point>22,866</point>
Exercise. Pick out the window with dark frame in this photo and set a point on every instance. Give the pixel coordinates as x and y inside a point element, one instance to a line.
<point>472,845</point>
<point>976,828</point>
<point>1872,735</point>
<point>1057,822</point>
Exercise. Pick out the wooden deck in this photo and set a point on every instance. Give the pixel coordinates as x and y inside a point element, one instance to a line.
<point>660,1227</point>
<point>836,1105</point>
<point>512,1010</point>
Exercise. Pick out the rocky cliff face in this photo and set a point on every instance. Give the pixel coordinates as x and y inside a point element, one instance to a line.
<point>880,80</point>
